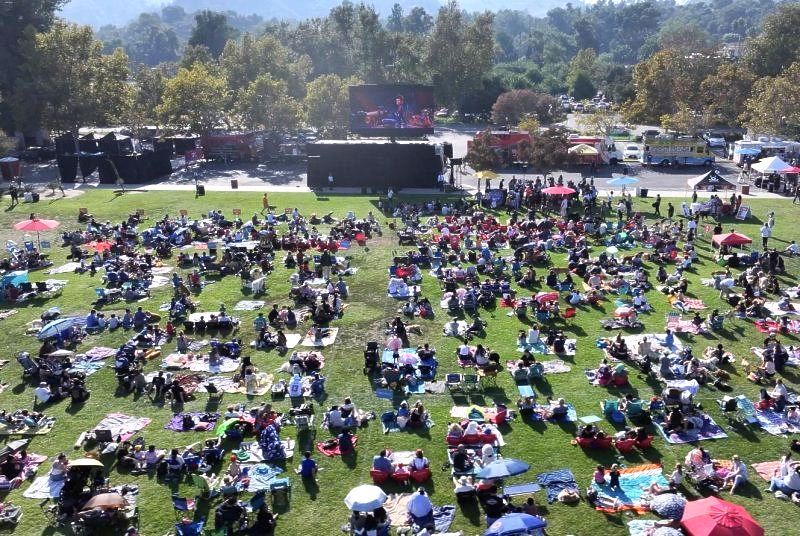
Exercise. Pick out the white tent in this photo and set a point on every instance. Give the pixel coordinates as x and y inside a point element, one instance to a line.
<point>773,164</point>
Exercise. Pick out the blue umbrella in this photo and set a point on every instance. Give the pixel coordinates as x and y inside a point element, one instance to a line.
<point>515,524</point>
<point>58,327</point>
<point>747,151</point>
<point>502,468</point>
<point>622,181</point>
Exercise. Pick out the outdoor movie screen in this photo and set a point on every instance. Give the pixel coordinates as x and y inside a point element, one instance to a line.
<point>391,110</point>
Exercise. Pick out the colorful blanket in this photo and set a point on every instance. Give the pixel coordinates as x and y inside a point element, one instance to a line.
<point>633,482</point>
<point>122,425</point>
<point>775,423</point>
<point>182,361</point>
<point>87,367</point>
<point>774,310</point>
<point>554,366</point>
<point>98,353</point>
<point>45,428</point>
<point>327,340</point>
<point>572,415</point>
<point>767,470</point>
<point>570,347</point>
<point>555,481</point>
<point>248,305</point>
<point>203,421</point>
<point>333,451</point>
<point>710,430</point>
<point>258,478</point>
<point>640,527</point>
<point>44,488</point>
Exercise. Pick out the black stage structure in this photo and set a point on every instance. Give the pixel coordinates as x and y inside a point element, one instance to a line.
<point>375,163</point>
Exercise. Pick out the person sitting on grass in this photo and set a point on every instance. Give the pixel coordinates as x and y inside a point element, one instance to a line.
<point>382,463</point>
<point>737,476</point>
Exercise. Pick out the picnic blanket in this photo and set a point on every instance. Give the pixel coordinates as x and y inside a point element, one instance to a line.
<point>555,481</point>
<point>710,430</point>
<point>159,281</point>
<point>396,507</point>
<point>767,470</point>
<point>86,366</point>
<point>774,310</point>
<point>775,423</point>
<point>6,314</point>
<point>633,482</point>
<point>122,425</point>
<point>691,304</point>
<point>99,353</point>
<point>640,527</point>
<point>203,421</point>
<point>259,477</point>
<point>45,428</point>
<point>44,488</point>
<point>334,450</point>
<point>460,331</point>
<point>253,453</point>
<point>572,415</point>
<point>570,347</point>
<point>408,292</point>
<point>327,340</point>
<point>248,305</point>
<point>443,517</point>
<point>67,268</point>
<point>183,361</point>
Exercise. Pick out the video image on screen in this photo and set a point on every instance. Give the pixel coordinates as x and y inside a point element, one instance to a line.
<point>391,110</point>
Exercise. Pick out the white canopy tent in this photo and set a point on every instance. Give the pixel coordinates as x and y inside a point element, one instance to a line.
<point>773,164</point>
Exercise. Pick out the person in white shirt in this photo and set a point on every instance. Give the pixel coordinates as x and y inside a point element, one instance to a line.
<point>792,249</point>
<point>779,389</point>
<point>113,322</point>
<point>738,474</point>
<point>43,393</point>
<point>335,419</point>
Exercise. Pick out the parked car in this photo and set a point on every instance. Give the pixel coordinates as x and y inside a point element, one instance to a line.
<point>715,139</point>
<point>631,152</point>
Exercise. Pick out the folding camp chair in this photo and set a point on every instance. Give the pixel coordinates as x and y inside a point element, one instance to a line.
<point>181,505</point>
<point>454,382</point>
<point>745,410</point>
<point>472,383</point>
<point>569,313</point>
<point>190,529</point>
<point>673,321</point>
<point>204,491</point>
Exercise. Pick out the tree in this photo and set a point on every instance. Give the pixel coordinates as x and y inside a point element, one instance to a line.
<point>65,82</point>
<point>581,87</point>
<point>727,90</point>
<point>550,150</point>
<point>686,38</point>
<point>512,106</point>
<point>459,53</point>
<point>530,125</point>
<point>418,22</point>
<point>481,155</point>
<point>265,102</point>
<point>18,18</point>
<point>327,104</point>
<point>194,54</point>
<point>774,107</point>
<point>778,44</point>
<point>599,122</point>
<point>684,120</point>
<point>212,31</point>
<point>194,99</point>
<point>148,88</point>
<point>150,42</point>
<point>395,20</point>
<point>248,58</point>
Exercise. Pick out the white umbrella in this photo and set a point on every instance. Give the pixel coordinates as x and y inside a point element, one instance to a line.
<point>365,498</point>
<point>773,164</point>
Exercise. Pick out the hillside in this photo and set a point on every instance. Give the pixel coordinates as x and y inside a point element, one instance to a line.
<point>100,12</point>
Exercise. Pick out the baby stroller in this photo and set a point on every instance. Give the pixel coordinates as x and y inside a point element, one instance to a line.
<point>372,361</point>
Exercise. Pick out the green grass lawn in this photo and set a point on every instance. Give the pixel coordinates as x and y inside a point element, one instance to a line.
<point>321,510</point>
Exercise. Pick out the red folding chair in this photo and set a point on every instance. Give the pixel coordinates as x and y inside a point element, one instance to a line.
<point>378,477</point>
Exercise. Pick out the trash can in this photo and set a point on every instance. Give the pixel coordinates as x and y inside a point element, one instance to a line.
<point>234,184</point>
<point>745,188</point>
<point>643,192</point>
<point>9,167</point>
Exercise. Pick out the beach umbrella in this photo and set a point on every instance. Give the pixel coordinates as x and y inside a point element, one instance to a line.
<point>59,326</point>
<point>542,297</point>
<point>502,468</point>
<point>624,180</point>
<point>13,447</point>
<point>36,225</point>
<point>515,524</point>
<point>558,190</point>
<point>486,175</point>
<point>105,501</point>
<point>731,239</point>
<point>714,517</point>
<point>86,462</point>
<point>365,498</point>
<point>773,164</point>
<point>408,358</point>
<point>668,505</point>
<point>99,245</point>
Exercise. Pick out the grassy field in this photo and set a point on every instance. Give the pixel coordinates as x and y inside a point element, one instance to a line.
<point>320,510</point>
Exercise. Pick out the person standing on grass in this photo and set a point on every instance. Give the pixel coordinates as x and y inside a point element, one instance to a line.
<point>265,203</point>
<point>657,205</point>
<point>670,210</point>
<point>766,232</point>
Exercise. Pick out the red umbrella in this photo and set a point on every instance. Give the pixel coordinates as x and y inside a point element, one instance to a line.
<point>99,245</point>
<point>558,190</point>
<point>731,239</point>
<point>714,517</point>
<point>35,224</point>
<point>543,297</point>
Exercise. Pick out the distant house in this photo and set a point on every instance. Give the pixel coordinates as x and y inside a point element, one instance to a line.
<point>733,51</point>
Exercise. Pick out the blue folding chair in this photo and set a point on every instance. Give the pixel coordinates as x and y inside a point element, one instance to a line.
<point>190,529</point>
<point>182,505</point>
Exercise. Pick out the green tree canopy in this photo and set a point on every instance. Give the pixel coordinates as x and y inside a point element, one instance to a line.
<point>265,103</point>
<point>777,46</point>
<point>194,99</point>
<point>212,31</point>
<point>327,104</point>
<point>513,106</point>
